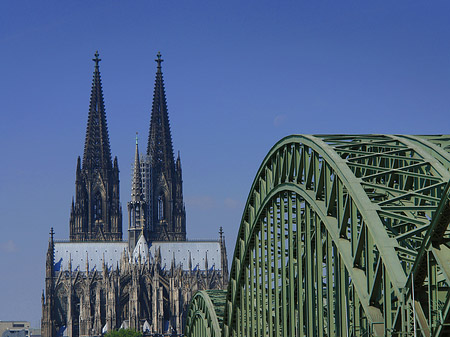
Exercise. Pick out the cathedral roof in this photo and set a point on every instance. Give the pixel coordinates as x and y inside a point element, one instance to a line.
<point>141,249</point>
<point>203,254</point>
<point>197,251</point>
<point>95,251</point>
<point>97,152</point>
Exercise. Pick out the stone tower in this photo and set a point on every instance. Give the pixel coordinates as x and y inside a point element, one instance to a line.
<point>137,207</point>
<point>96,213</point>
<point>164,194</point>
<point>48,301</point>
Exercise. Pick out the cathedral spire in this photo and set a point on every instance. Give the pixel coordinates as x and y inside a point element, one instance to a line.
<point>96,214</point>
<point>163,187</point>
<point>50,256</point>
<point>159,139</point>
<point>136,188</point>
<point>97,152</point>
<point>137,207</point>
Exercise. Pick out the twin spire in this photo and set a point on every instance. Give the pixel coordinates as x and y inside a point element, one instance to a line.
<point>96,213</point>
<point>156,198</point>
<point>159,146</point>
<point>97,152</point>
<point>162,180</point>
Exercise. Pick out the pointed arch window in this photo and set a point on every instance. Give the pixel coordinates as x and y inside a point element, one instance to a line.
<point>137,215</point>
<point>161,207</point>
<point>98,206</point>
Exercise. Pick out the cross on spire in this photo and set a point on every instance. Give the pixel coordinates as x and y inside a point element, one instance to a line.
<point>96,60</point>
<point>159,60</point>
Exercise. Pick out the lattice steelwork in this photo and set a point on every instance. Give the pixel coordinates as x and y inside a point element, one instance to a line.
<point>206,313</point>
<point>336,232</point>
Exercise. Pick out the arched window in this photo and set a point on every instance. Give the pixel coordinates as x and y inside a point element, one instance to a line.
<point>137,211</point>
<point>98,207</point>
<point>161,207</point>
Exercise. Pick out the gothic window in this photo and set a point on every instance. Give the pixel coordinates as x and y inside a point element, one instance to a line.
<point>137,212</point>
<point>98,207</point>
<point>161,207</point>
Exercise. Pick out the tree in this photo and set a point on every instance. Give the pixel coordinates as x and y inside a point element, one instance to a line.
<point>123,333</point>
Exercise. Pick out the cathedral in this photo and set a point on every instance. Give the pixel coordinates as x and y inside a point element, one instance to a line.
<point>95,281</point>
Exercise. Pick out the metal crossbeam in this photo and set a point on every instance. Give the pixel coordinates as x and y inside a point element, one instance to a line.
<point>334,228</point>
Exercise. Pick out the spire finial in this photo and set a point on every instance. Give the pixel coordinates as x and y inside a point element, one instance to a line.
<point>51,234</point>
<point>96,60</point>
<point>136,138</point>
<point>159,60</point>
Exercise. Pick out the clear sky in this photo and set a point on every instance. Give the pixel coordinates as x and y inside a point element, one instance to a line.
<point>239,76</point>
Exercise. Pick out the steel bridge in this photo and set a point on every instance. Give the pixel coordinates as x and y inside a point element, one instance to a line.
<point>342,235</point>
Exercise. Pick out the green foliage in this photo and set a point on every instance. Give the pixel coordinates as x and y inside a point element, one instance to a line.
<point>124,333</point>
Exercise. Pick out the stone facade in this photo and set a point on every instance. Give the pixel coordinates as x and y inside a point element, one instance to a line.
<point>96,213</point>
<point>164,192</point>
<point>113,288</point>
<point>96,282</point>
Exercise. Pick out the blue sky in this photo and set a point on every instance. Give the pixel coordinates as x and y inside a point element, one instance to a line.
<point>239,76</point>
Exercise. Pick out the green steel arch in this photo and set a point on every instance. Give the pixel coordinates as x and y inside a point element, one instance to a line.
<point>205,314</point>
<point>344,235</point>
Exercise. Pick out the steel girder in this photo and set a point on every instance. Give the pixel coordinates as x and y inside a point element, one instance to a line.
<point>345,211</point>
<point>337,232</point>
<point>205,314</point>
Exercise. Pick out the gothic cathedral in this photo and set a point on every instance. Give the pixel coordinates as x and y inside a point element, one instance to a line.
<point>96,282</point>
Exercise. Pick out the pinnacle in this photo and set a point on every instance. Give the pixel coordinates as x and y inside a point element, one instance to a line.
<point>160,140</point>
<point>136,190</point>
<point>97,153</point>
<point>96,60</point>
<point>159,60</point>
<point>51,234</point>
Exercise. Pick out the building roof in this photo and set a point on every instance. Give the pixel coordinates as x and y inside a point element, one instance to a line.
<point>78,251</point>
<point>141,249</point>
<point>203,254</point>
<point>198,251</point>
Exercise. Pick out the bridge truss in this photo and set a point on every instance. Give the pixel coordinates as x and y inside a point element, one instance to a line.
<point>342,235</point>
